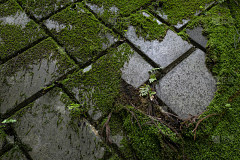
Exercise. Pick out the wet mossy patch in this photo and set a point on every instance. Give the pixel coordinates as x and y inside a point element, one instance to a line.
<point>124,7</point>
<point>84,36</point>
<point>101,83</point>
<point>17,30</point>
<point>41,9</point>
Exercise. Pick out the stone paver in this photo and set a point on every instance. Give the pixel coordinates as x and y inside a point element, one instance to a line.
<point>26,74</point>
<point>45,126</point>
<point>189,87</point>
<point>80,32</point>
<point>16,30</point>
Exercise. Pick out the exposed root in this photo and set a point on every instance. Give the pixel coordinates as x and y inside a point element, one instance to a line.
<point>106,124</point>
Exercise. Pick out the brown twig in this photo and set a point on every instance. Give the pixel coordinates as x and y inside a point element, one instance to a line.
<point>106,124</point>
<point>134,117</point>
<point>200,122</point>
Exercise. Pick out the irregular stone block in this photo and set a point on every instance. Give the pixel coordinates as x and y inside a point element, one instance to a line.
<point>41,9</point>
<point>189,87</point>
<point>45,125</point>
<point>163,53</point>
<point>196,35</point>
<point>26,74</point>
<point>83,36</point>
<point>17,30</point>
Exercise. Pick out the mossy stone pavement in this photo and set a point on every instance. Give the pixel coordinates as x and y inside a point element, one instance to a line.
<point>55,55</point>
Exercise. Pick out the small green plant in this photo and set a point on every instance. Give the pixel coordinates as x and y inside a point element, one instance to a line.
<point>146,90</point>
<point>9,121</point>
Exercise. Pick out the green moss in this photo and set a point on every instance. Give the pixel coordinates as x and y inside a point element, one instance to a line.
<point>14,37</point>
<point>223,60</point>
<point>86,38</point>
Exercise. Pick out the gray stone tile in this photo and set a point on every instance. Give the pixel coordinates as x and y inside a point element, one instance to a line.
<point>135,71</point>
<point>26,74</point>
<point>196,35</point>
<point>189,87</point>
<point>46,127</point>
<point>162,53</point>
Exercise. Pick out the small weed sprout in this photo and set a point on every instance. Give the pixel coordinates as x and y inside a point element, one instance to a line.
<point>146,89</point>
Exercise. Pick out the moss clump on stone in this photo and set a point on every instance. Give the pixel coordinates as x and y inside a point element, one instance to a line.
<point>147,27</point>
<point>15,37</point>
<point>86,37</point>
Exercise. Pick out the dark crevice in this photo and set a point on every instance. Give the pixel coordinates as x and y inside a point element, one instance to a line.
<point>16,53</point>
<point>3,1</point>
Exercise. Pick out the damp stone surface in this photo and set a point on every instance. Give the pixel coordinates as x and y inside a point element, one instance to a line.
<point>45,126</point>
<point>189,87</point>
<point>25,75</point>
<point>162,53</point>
<point>17,30</point>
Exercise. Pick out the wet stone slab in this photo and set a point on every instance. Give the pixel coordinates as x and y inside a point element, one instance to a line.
<point>96,86</point>
<point>83,36</point>
<point>45,126</point>
<point>196,35</point>
<point>16,29</point>
<point>26,74</point>
<point>162,53</point>
<point>160,11</point>
<point>14,154</point>
<point>189,87</point>
<point>41,9</point>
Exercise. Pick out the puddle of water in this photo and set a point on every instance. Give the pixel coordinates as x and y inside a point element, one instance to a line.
<point>55,25</point>
<point>19,18</point>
